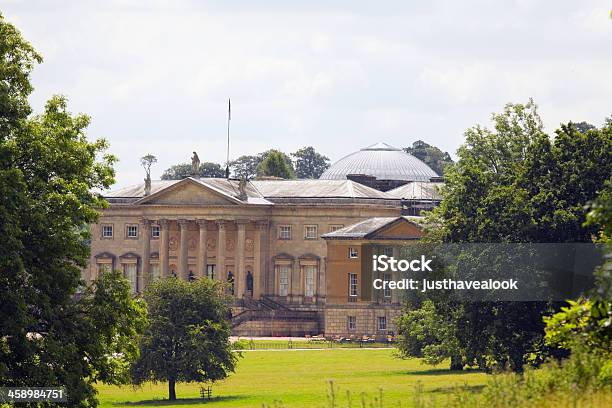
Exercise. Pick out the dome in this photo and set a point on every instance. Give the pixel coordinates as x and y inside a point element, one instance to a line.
<point>382,161</point>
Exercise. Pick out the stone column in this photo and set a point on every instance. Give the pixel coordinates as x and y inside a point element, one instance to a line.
<point>183,248</point>
<point>146,253</point>
<point>258,257</point>
<point>202,251</point>
<point>164,247</point>
<point>221,251</point>
<point>240,277</point>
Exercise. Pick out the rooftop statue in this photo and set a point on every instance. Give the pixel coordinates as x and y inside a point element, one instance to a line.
<point>195,164</point>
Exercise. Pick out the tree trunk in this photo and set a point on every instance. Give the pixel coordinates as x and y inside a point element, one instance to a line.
<point>171,390</point>
<point>456,363</point>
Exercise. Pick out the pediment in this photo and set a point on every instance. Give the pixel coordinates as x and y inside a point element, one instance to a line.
<point>189,192</point>
<point>400,229</point>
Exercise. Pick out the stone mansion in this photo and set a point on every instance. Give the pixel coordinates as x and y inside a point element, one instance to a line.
<point>290,251</point>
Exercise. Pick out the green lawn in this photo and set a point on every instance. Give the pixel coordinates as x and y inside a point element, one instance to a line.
<point>300,379</point>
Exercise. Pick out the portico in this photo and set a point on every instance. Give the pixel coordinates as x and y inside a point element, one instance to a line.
<point>238,243</point>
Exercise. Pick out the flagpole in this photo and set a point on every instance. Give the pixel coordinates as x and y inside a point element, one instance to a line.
<point>229,117</point>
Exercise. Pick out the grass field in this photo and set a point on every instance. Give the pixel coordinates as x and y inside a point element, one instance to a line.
<point>301,379</point>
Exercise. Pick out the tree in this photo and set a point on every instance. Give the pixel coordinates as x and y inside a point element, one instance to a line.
<point>245,167</point>
<point>430,155</point>
<point>183,170</point>
<point>309,164</point>
<point>587,322</point>
<point>584,127</point>
<point>48,170</point>
<point>515,184</point>
<point>188,335</point>
<point>275,164</point>
<point>146,162</point>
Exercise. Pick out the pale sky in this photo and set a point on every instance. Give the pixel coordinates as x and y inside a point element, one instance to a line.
<point>155,76</point>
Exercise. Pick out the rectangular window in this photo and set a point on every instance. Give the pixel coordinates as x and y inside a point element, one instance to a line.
<point>387,290</point>
<point>107,231</point>
<point>388,251</point>
<point>333,228</point>
<point>382,323</point>
<point>284,232</point>
<point>210,271</point>
<point>351,322</point>
<point>154,271</point>
<point>129,272</point>
<point>352,284</point>
<point>154,231</point>
<point>309,280</point>
<point>104,267</point>
<point>131,231</point>
<point>353,253</point>
<point>283,280</point>
<point>310,232</point>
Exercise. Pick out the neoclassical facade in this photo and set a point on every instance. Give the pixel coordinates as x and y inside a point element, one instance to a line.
<point>263,238</point>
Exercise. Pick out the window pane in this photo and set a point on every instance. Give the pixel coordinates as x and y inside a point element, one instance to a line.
<point>283,280</point>
<point>210,271</point>
<point>382,323</point>
<point>155,271</point>
<point>132,231</point>
<point>387,290</point>
<point>309,280</point>
<point>352,284</point>
<point>310,232</point>
<point>107,231</point>
<point>129,272</point>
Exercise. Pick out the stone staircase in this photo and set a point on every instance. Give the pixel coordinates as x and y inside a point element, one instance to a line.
<point>266,317</point>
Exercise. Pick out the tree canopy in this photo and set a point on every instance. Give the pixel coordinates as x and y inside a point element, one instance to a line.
<point>430,155</point>
<point>188,336</point>
<point>309,164</point>
<point>183,170</point>
<point>514,183</point>
<point>275,164</point>
<point>48,170</point>
<point>245,167</point>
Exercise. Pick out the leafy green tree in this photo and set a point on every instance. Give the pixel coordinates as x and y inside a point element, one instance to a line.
<point>309,164</point>
<point>430,155</point>
<point>584,127</point>
<point>587,322</point>
<point>183,170</point>
<point>50,334</point>
<point>515,184</point>
<point>248,167</point>
<point>426,334</point>
<point>245,167</point>
<point>275,164</point>
<point>188,336</point>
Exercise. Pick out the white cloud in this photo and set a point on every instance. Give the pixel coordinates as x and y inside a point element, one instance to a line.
<point>155,76</point>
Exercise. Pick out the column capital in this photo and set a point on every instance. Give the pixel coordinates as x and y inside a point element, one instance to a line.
<point>242,222</point>
<point>163,222</point>
<point>221,224</point>
<point>202,222</point>
<point>183,222</point>
<point>262,224</point>
<point>145,222</point>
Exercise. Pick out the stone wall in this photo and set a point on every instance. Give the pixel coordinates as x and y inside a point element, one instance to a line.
<point>366,316</point>
<point>256,328</point>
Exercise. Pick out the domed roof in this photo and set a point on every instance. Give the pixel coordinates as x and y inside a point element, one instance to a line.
<point>382,161</point>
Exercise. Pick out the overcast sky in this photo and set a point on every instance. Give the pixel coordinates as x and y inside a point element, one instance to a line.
<point>155,76</point>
